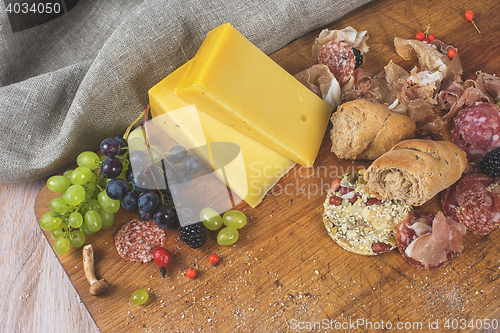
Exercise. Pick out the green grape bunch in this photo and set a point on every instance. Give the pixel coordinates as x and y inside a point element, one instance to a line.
<point>83,208</point>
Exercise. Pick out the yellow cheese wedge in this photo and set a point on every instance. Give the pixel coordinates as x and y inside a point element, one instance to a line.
<point>232,80</point>
<point>262,166</point>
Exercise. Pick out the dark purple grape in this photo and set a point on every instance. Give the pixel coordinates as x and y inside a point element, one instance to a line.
<point>183,178</point>
<point>129,175</point>
<point>192,164</point>
<point>141,182</point>
<point>178,154</point>
<point>158,178</point>
<point>164,217</point>
<point>123,144</point>
<point>116,188</point>
<point>148,201</point>
<point>145,216</point>
<point>111,167</point>
<point>129,201</point>
<point>110,147</point>
<point>139,161</point>
<point>169,173</point>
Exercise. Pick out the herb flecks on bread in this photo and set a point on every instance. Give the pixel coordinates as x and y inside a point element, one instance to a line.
<point>365,130</point>
<point>415,170</point>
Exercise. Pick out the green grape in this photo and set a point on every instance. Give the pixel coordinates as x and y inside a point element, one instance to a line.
<point>49,222</point>
<point>227,236</point>
<point>88,159</point>
<point>58,205</point>
<point>58,232</point>
<point>81,175</point>
<point>86,231</point>
<point>94,204</point>
<point>61,245</point>
<point>107,219</point>
<point>235,219</point>
<point>75,220</point>
<point>76,238</point>
<point>108,204</point>
<point>58,184</point>
<point>136,144</point>
<point>140,296</point>
<point>74,195</point>
<point>210,218</point>
<point>67,173</point>
<point>93,220</point>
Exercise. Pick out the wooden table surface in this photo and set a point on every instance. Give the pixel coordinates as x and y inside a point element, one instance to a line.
<point>36,293</point>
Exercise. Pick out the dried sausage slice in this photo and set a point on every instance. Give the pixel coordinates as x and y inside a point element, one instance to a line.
<point>339,58</point>
<point>477,130</point>
<point>137,240</point>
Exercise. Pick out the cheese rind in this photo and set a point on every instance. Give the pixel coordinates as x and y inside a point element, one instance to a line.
<point>235,82</point>
<point>262,166</point>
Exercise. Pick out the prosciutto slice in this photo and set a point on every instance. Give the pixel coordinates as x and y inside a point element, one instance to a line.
<point>429,57</point>
<point>491,84</point>
<point>432,248</point>
<point>322,82</point>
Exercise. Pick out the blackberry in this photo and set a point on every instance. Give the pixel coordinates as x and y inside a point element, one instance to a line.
<point>193,235</point>
<point>490,164</point>
<point>358,56</point>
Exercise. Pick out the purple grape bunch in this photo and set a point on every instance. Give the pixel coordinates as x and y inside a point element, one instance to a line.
<point>146,187</point>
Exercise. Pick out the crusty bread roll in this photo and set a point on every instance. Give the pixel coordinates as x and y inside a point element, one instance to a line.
<point>365,130</point>
<point>415,170</point>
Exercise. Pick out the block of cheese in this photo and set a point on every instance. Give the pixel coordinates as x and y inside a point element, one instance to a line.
<point>234,81</point>
<point>262,166</point>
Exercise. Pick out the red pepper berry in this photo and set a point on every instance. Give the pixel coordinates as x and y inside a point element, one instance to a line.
<point>420,35</point>
<point>426,40</point>
<point>190,273</point>
<point>452,53</point>
<point>214,259</point>
<point>162,258</point>
<point>431,37</point>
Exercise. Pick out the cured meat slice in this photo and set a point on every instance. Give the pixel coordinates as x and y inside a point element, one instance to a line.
<point>477,130</point>
<point>137,240</point>
<point>491,84</point>
<point>472,202</point>
<point>321,81</point>
<point>339,58</point>
<point>428,241</point>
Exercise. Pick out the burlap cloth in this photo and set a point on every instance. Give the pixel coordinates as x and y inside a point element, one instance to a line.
<point>67,82</point>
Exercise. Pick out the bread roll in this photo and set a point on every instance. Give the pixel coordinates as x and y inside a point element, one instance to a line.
<point>415,170</point>
<point>365,130</point>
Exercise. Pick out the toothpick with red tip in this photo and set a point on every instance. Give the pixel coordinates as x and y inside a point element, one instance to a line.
<point>469,15</point>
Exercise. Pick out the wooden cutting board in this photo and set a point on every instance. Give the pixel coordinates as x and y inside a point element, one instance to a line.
<point>285,273</point>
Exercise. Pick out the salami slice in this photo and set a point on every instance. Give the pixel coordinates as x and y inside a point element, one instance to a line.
<point>477,130</point>
<point>137,240</point>
<point>472,204</point>
<point>339,58</point>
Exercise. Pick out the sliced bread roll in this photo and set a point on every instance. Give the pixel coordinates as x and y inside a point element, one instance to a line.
<point>365,130</point>
<point>415,170</point>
